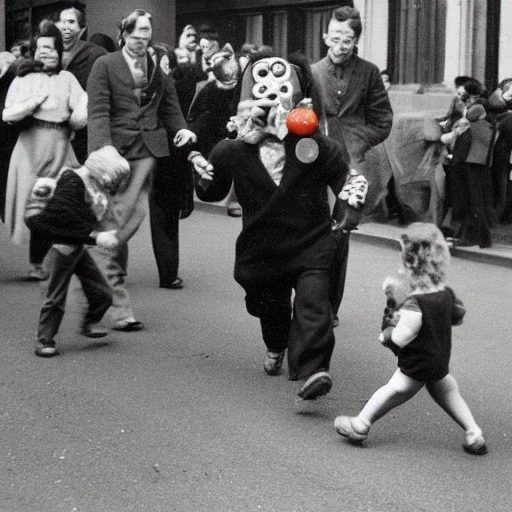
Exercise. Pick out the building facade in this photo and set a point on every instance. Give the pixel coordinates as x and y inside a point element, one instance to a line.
<point>423,43</point>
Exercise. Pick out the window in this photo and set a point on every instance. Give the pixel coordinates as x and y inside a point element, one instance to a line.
<point>317,21</point>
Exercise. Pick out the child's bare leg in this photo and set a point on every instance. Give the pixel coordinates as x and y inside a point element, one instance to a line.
<point>397,391</point>
<point>446,393</point>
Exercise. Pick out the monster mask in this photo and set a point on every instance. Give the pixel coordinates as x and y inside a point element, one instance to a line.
<point>225,68</point>
<point>270,89</point>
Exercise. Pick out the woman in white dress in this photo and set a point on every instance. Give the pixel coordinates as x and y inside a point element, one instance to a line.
<point>57,105</point>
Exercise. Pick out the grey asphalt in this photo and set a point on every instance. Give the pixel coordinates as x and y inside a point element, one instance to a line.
<point>181,417</point>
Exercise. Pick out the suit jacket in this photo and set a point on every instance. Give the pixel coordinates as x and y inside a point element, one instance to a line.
<point>361,116</point>
<point>119,117</point>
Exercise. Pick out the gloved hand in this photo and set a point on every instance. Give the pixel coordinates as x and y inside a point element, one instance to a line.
<point>348,209</point>
<point>107,239</point>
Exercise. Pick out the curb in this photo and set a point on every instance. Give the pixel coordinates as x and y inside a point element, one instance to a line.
<point>499,254</point>
<point>471,254</point>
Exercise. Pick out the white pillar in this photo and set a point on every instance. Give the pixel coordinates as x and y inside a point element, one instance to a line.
<point>459,39</point>
<point>373,45</point>
<point>505,45</point>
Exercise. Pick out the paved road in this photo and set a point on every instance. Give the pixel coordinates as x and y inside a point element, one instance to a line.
<point>181,417</point>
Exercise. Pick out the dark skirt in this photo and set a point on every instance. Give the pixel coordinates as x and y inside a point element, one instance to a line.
<point>471,193</point>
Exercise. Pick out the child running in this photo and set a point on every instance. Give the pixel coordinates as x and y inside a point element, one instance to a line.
<point>67,213</point>
<point>422,340</point>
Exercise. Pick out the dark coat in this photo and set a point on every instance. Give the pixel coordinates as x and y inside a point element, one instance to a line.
<point>80,65</point>
<point>117,117</point>
<point>8,136</point>
<point>82,61</point>
<point>286,228</point>
<point>361,116</point>
<point>209,114</point>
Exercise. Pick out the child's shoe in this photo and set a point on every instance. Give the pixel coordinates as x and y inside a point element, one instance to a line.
<point>352,427</point>
<point>45,348</point>
<point>474,443</point>
<point>273,362</point>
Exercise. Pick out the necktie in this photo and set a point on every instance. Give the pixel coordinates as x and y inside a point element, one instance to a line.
<point>139,72</point>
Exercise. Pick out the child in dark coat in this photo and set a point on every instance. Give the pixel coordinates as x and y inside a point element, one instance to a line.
<point>420,335</point>
<point>67,211</point>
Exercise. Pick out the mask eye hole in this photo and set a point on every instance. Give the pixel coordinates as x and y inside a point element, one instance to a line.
<point>278,69</point>
<point>262,73</point>
<point>284,89</point>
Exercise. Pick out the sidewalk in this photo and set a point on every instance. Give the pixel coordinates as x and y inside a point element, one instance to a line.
<point>389,234</point>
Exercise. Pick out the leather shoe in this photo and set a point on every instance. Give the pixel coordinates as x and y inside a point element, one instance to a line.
<point>318,384</point>
<point>131,326</point>
<point>93,331</point>
<point>177,284</point>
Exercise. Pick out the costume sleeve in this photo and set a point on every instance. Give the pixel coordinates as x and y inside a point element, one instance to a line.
<point>409,324</point>
<point>99,92</point>
<point>19,102</point>
<point>77,104</point>
<point>169,110</point>
<point>220,186</point>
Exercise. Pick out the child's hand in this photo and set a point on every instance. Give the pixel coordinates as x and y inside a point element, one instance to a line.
<point>385,339</point>
<point>107,239</point>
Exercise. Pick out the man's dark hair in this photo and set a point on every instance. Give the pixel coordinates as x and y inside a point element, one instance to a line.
<point>207,31</point>
<point>127,25</point>
<point>79,10</point>
<point>473,87</point>
<point>351,15</point>
<point>461,80</point>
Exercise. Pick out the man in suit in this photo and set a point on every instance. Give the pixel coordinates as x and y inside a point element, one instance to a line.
<point>133,108</point>
<point>78,58</point>
<point>358,114</point>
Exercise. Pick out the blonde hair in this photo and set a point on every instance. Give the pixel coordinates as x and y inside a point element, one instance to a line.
<point>425,255</point>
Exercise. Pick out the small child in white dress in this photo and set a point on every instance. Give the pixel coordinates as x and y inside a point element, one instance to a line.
<point>421,337</point>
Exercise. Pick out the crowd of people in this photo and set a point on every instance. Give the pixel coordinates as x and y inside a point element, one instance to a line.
<point>97,134</point>
<point>476,159</point>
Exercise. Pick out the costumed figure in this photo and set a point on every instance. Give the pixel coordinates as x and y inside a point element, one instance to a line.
<point>189,70</point>
<point>214,105</point>
<point>419,333</point>
<point>281,166</point>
